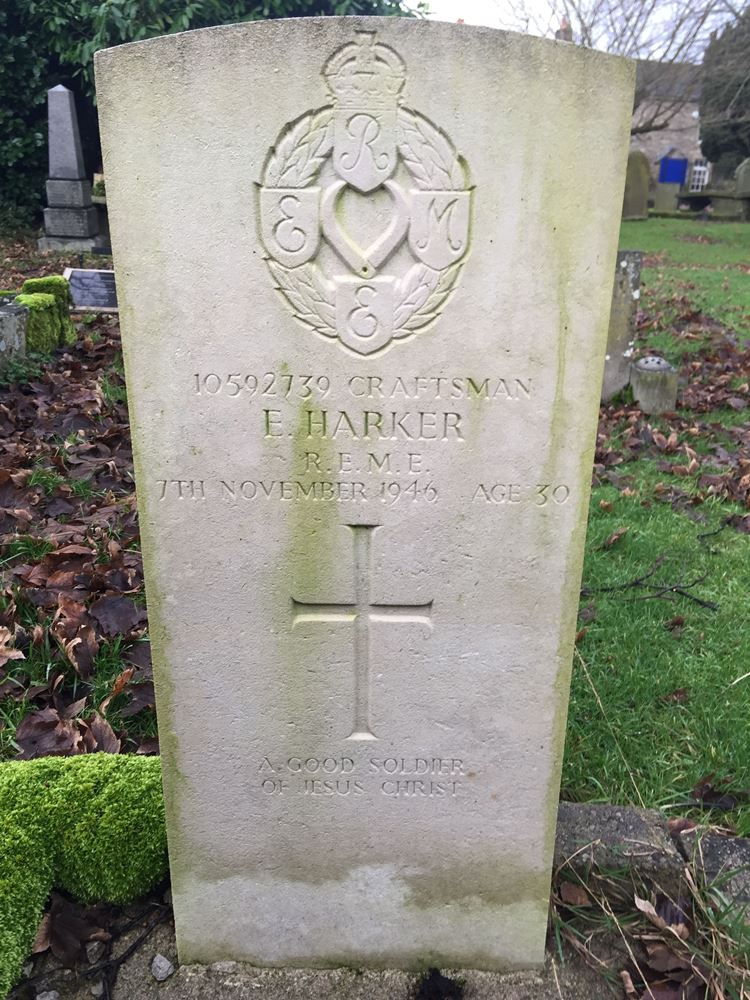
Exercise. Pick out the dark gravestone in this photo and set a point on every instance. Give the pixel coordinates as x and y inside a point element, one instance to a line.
<point>637,179</point>
<point>92,291</point>
<point>70,221</point>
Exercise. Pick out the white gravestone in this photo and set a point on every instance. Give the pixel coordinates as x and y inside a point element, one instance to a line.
<point>364,270</point>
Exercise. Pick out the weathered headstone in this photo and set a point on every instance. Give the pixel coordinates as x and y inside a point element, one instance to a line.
<point>622,322</point>
<point>666,197</point>
<point>13,322</point>
<point>742,188</point>
<point>742,179</point>
<point>637,181</point>
<point>359,337</point>
<point>70,220</point>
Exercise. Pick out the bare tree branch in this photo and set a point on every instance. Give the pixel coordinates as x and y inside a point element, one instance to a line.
<point>668,38</point>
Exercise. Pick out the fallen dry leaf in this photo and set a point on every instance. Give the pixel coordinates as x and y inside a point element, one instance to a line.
<point>574,895</point>
<point>46,734</point>
<point>67,926</point>
<point>104,735</point>
<point>615,537</point>
<point>661,958</point>
<point>680,824</point>
<point>740,522</point>
<point>649,911</point>
<point>121,682</point>
<point>116,615</point>
<point>6,650</point>
<point>678,697</point>
<point>713,794</point>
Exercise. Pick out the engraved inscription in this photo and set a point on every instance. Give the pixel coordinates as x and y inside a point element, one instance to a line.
<point>388,432</point>
<point>360,387</point>
<point>371,425</point>
<point>390,777</point>
<point>512,493</point>
<point>365,135</point>
<point>360,613</point>
<point>388,492</point>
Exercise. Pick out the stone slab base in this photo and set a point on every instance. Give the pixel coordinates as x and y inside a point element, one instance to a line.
<point>75,223</point>
<point>616,837</point>
<point>723,861</point>
<point>230,981</point>
<point>65,244</point>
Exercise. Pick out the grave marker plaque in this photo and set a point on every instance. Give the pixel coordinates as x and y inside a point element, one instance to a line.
<point>92,289</point>
<point>363,372</point>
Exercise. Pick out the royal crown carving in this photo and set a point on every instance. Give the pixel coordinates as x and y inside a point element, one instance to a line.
<point>365,297</point>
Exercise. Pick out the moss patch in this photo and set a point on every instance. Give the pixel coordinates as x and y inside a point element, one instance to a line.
<point>55,284</point>
<point>91,825</point>
<point>43,329</point>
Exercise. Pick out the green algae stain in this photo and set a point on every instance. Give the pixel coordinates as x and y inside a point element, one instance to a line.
<point>307,561</point>
<point>473,885</point>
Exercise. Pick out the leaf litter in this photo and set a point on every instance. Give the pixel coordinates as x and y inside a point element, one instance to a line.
<point>74,654</point>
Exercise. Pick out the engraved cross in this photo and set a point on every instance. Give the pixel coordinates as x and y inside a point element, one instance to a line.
<point>361,612</point>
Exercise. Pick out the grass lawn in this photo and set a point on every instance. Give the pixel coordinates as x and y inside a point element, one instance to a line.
<point>661,683</point>
<point>706,263</point>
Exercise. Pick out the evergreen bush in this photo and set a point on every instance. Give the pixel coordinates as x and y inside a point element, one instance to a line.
<point>47,42</point>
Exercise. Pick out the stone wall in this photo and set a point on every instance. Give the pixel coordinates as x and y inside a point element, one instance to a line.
<point>682,136</point>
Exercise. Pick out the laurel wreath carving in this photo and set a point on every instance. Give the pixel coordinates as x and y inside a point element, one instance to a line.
<point>310,294</point>
<point>421,296</point>
<point>301,151</point>
<point>428,153</point>
<point>433,164</point>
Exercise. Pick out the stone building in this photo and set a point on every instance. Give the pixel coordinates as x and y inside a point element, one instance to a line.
<point>668,95</point>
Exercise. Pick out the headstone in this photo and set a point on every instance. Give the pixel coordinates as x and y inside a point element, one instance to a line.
<point>70,219</point>
<point>92,290</point>
<point>622,322</point>
<point>13,322</point>
<point>637,181</point>
<point>742,179</point>
<point>726,207</point>
<point>666,197</point>
<point>359,337</point>
<point>654,381</point>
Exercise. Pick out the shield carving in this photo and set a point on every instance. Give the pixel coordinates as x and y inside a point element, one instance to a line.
<point>290,223</point>
<point>364,148</point>
<point>439,230</point>
<point>364,313</point>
